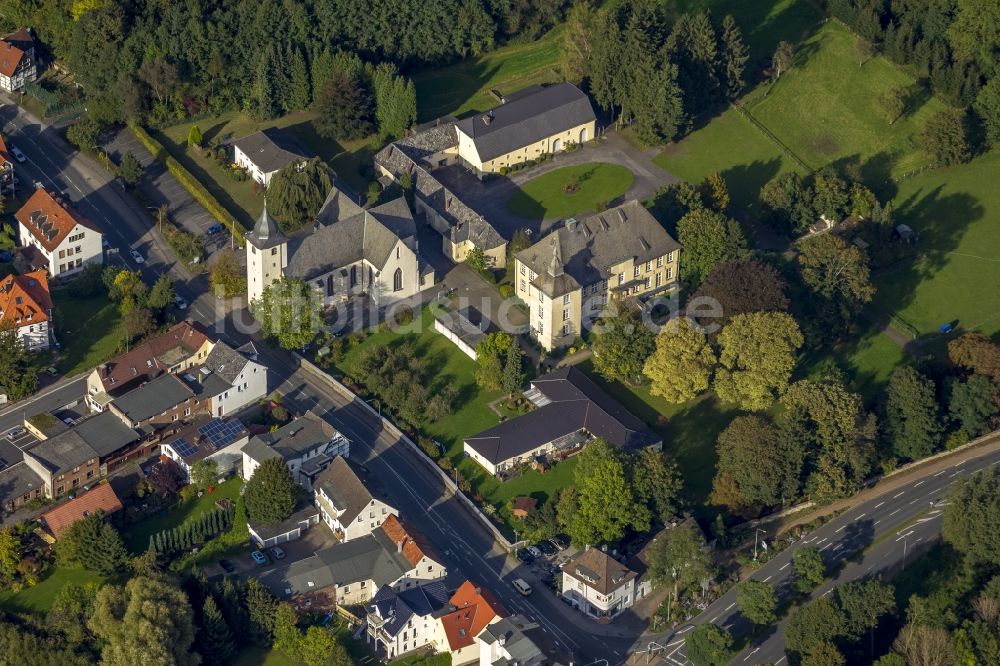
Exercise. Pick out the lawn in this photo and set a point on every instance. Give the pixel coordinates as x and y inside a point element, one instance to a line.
<point>867,359</point>
<point>826,109</point>
<point>351,161</point>
<point>956,212</point>
<point>591,186</point>
<point>87,328</point>
<point>464,87</point>
<point>38,599</point>
<point>258,656</point>
<point>137,536</point>
<point>729,145</point>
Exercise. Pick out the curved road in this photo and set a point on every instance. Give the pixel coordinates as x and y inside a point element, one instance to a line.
<point>874,538</point>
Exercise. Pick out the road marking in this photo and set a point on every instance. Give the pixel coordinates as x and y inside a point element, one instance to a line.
<point>768,578</point>
<point>904,536</point>
<point>827,592</point>
<point>861,516</point>
<point>880,504</point>
<point>752,653</point>
<point>824,548</point>
<point>894,512</point>
<point>919,483</point>
<point>899,494</point>
<point>730,605</point>
<point>779,661</point>
<point>878,521</point>
<point>821,541</point>
<point>941,472</point>
<point>785,566</point>
<point>842,528</point>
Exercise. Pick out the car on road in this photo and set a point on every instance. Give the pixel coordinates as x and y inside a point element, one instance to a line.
<point>137,257</point>
<point>214,229</point>
<point>521,586</point>
<point>547,547</point>
<point>525,556</point>
<point>227,566</point>
<point>278,553</point>
<point>15,432</point>
<point>535,553</point>
<point>18,155</point>
<point>259,557</point>
<point>180,303</point>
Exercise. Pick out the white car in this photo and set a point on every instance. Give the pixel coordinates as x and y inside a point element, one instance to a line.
<point>137,257</point>
<point>18,155</point>
<point>534,552</point>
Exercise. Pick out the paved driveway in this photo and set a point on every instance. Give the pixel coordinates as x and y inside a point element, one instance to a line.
<point>490,199</point>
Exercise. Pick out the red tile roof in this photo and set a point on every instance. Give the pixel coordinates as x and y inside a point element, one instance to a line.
<point>415,546</point>
<point>10,58</point>
<point>101,498</point>
<point>4,155</point>
<point>47,220</point>
<point>475,607</point>
<point>25,299</point>
<point>145,361</point>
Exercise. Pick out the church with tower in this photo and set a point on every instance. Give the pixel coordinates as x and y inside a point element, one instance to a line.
<point>348,252</point>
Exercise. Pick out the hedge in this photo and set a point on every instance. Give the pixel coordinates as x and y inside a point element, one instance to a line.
<point>189,183</point>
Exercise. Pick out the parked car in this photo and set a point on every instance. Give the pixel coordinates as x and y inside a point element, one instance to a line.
<point>18,155</point>
<point>525,556</point>
<point>534,552</point>
<point>137,257</point>
<point>15,432</point>
<point>259,557</point>
<point>561,541</point>
<point>227,566</point>
<point>547,547</point>
<point>51,371</point>
<point>278,553</point>
<point>180,303</point>
<point>214,229</point>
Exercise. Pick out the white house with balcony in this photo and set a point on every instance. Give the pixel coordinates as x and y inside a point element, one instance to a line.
<point>601,586</point>
<point>346,505</point>
<point>306,445</point>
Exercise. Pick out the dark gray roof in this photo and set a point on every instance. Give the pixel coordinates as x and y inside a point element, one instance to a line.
<point>271,149</point>
<point>526,119</point>
<point>205,436</point>
<point>462,325</point>
<point>106,433</point>
<point>266,532</point>
<point>291,440</point>
<point>369,235</point>
<point>62,452</point>
<point>347,492</point>
<point>16,481</point>
<point>225,362</point>
<point>524,641</point>
<point>265,233</point>
<point>338,206</point>
<point>154,397</point>
<point>589,246</point>
<point>576,403</point>
<point>398,607</point>
<point>402,157</point>
<point>371,557</point>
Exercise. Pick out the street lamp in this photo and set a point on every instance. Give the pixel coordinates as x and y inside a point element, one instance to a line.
<point>759,530</point>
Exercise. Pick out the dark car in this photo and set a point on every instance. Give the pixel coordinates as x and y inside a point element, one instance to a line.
<point>214,229</point>
<point>561,541</point>
<point>525,556</point>
<point>227,566</point>
<point>547,547</point>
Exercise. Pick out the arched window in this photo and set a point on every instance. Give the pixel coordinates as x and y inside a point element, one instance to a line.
<point>397,280</point>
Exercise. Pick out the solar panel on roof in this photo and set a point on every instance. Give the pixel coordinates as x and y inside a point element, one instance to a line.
<point>221,433</point>
<point>184,448</point>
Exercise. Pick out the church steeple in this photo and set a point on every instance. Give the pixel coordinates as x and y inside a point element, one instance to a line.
<point>266,228</point>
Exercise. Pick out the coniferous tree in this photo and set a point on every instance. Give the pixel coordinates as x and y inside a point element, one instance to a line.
<point>300,89</point>
<point>261,608</point>
<point>733,57</point>
<point>215,639</point>
<point>262,102</point>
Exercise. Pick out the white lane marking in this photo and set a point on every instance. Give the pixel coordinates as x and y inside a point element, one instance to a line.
<point>899,494</point>
<point>730,605</point>
<point>779,661</point>
<point>752,653</point>
<point>941,472</point>
<point>905,535</point>
<point>894,512</point>
<point>767,579</point>
<point>842,528</point>
<point>785,566</point>
<point>919,483</point>
<point>880,504</point>
<point>861,516</point>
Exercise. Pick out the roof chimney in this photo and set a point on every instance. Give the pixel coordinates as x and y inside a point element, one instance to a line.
<point>399,545</point>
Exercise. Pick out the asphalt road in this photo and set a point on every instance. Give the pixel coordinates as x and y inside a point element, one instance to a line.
<point>885,530</point>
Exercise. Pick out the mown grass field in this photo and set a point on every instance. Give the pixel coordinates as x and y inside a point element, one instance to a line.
<point>87,328</point>
<point>546,198</point>
<point>38,599</point>
<point>351,161</point>
<point>463,87</point>
<point>826,108</point>
<point>956,212</point>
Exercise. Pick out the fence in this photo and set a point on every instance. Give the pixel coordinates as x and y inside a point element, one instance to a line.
<point>388,425</point>
<point>772,138</point>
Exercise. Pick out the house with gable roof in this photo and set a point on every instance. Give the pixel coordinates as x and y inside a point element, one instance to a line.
<point>469,611</point>
<point>307,445</point>
<point>398,622</point>
<point>346,504</point>
<point>17,60</point>
<point>65,239</point>
<point>601,586</point>
<point>349,251</point>
<point>26,305</point>
<point>264,153</point>
<point>518,640</point>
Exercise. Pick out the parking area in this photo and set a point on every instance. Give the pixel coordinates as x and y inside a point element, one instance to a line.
<point>317,538</point>
<point>12,443</point>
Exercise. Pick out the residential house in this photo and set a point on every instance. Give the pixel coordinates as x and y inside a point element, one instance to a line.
<point>411,162</point>
<point>530,123</point>
<point>207,437</point>
<point>160,402</point>
<point>346,505</point>
<point>6,165</point>
<point>115,443</point>
<point>64,463</point>
<point>518,640</point>
<point>397,622</point>
<point>350,573</point>
<point>232,377</point>
<point>66,239</point>
<point>569,276</point>
<point>599,585</point>
<point>290,529</point>
<point>26,305</point>
<point>17,60</point>
<point>102,498</point>
<point>182,347</point>
<point>19,484</point>
<point>470,610</point>
<point>570,410</point>
<point>264,153</point>
<point>306,445</point>
<point>349,252</point>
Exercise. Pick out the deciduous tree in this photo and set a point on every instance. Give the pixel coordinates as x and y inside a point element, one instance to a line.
<point>130,170</point>
<point>757,357</point>
<point>835,270</point>
<point>864,604</point>
<point>976,352</point>
<point>945,138</point>
<point>681,366</point>
<point>656,482</point>
<point>972,403</point>
<point>714,192</point>
<point>782,59</point>
<point>606,503</point>
<point>270,492</point>
<point>622,344</point>
<point>893,103</point>
<point>971,517</point>
<point>228,277</point>
<point>709,645</point>
<point>824,654</point>
<point>757,601</point>
<point>680,558</point>
<point>763,465</point>
<point>289,310</point>
<point>17,377</point>
<point>808,569</point>
<point>748,285</point>
<point>709,239</point>
<point>819,621</point>
<point>204,473</point>
<point>296,193</point>
<point>491,355</point>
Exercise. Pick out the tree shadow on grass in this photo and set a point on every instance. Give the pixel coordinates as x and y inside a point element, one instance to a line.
<point>745,180</point>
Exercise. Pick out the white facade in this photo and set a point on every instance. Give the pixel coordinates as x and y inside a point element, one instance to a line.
<point>80,247</point>
<point>244,162</point>
<point>419,630</point>
<point>34,336</point>
<point>226,458</point>
<point>264,267</point>
<point>593,603</point>
<point>369,519</point>
<point>248,387</point>
<point>339,446</point>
